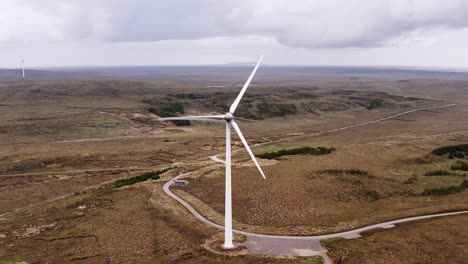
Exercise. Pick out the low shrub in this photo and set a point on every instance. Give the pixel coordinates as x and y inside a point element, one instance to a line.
<point>152,175</point>
<point>332,171</point>
<point>369,195</point>
<point>170,110</point>
<point>437,173</point>
<point>296,151</point>
<point>191,96</point>
<point>455,151</point>
<point>329,241</point>
<point>349,171</point>
<point>443,191</point>
<point>181,122</point>
<point>446,190</point>
<point>368,103</point>
<point>406,193</point>
<point>357,172</point>
<point>465,184</point>
<point>276,109</point>
<point>460,165</point>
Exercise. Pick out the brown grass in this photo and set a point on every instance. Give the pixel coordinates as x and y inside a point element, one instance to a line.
<point>128,225</point>
<point>297,198</point>
<point>440,240</point>
<point>65,126</point>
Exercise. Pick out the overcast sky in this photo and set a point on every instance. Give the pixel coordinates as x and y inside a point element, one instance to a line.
<point>427,33</point>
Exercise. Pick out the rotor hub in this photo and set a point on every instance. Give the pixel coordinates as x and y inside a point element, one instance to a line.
<point>228,117</point>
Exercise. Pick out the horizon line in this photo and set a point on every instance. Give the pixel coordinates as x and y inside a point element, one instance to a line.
<point>249,64</point>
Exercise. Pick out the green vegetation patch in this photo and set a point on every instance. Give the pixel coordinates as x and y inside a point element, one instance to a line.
<point>169,109</point>
<point>349,171</point>
<point>332,171</point>
<point>153,175</point>
<point>446,190</point>
<point>275,109</point>
<point>192,96</point>
<point>166,109</point>
<point>296,151</point>
<point>437,173</point>
<point>460,165</point>
<point>455,151</point>
<point>369,195</point>
<point>368,103</point>
<point>330,241</point>
<point>264,102</point>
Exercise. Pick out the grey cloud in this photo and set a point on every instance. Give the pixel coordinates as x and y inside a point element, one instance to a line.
<point>302,23</point>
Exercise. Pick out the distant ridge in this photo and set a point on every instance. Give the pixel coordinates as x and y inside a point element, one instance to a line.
<point>251,64</point>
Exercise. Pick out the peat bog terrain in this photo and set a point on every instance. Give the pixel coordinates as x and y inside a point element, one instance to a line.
<point>74,135</point>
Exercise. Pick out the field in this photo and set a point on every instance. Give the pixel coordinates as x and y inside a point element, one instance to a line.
<point>65,132</point>
<point>390,188</point>
<point>129,225</point>
<point>440,240</point>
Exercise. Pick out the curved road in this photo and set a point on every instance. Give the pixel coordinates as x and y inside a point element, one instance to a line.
<point>300,245</point>
<point>291,245</point>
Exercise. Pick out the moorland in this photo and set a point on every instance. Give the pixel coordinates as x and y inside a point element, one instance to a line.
<point>82,154</point>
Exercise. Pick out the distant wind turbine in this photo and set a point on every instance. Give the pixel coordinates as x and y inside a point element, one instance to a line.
<point>229,118</point>
<point>22,65</point>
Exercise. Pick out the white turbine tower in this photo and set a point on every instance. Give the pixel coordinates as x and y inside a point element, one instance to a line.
<point>229,118</point>
<point>22,65</point>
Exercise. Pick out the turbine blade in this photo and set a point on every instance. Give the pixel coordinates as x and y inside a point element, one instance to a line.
<point>213,117</point>
<point>238,131</point>
<point>239,97</point>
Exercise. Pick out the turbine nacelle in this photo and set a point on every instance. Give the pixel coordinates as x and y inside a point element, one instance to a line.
<point>228,117</point>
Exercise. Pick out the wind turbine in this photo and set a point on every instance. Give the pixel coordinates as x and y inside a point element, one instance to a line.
<point>22,65</point>
<point>229,119</point>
